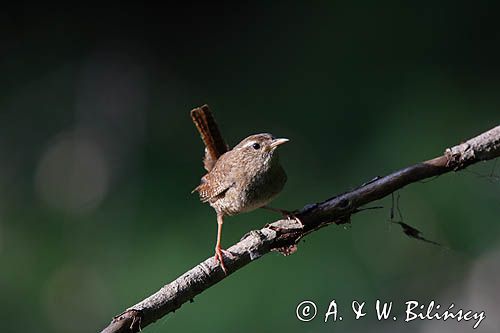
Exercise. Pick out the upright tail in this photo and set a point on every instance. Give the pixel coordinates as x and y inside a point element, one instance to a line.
<point>215,145</point>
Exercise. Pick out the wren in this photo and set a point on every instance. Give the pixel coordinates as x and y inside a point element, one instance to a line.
<point>239,180</point>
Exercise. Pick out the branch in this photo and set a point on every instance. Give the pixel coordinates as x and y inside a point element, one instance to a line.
<point>283,235</point>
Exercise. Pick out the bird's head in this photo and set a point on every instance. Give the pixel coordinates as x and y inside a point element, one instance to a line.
<point>259,147</point>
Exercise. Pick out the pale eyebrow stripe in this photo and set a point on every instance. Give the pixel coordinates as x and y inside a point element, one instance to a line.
<point>249,143</point>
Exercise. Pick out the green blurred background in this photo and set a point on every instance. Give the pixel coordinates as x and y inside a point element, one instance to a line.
<point>98,157</point>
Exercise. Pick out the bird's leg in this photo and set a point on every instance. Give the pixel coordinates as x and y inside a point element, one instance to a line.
<point>218,250</point>
<point>285,213</point>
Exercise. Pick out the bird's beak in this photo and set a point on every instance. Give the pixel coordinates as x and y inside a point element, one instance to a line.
<point>276,142</point>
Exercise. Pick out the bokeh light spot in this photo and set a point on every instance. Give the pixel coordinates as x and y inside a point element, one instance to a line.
<point>73,174</point>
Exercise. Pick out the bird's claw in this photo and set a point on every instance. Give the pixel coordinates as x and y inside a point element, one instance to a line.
<point>290,216</point>
<point>285,213</point>
<point>219,252</point>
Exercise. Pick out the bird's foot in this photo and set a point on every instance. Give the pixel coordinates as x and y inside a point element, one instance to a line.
<point>285,213</point>
<point>219,252</point>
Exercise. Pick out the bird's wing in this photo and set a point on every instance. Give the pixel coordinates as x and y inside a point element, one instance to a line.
<point>212,187</point>
<point>221,178</point>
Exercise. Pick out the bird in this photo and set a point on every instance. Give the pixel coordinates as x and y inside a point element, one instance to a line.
<point>240,179</point>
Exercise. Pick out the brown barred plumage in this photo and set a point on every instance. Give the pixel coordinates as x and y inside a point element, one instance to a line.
<point>215,145</point>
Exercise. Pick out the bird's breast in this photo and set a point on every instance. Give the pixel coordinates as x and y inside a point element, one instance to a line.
<point>251,187</point>
<point>262,188</point>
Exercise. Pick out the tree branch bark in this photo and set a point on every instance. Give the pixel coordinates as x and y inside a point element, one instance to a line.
<point>283,235</point>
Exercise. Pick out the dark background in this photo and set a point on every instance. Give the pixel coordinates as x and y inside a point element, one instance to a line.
<point>98,157</point>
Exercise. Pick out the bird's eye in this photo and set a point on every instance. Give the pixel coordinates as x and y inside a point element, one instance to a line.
<point>256,146</point>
